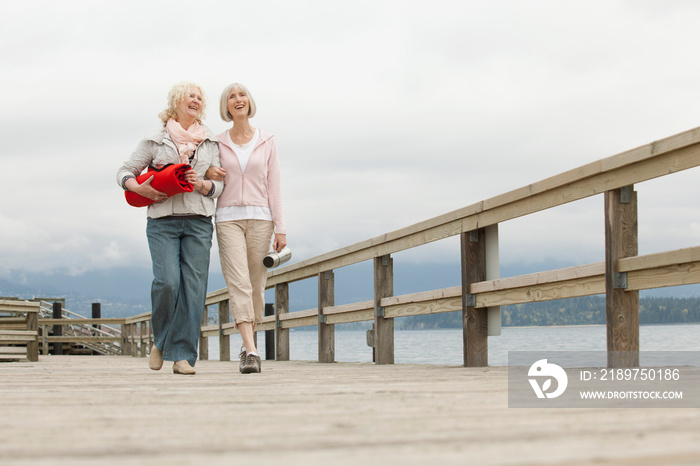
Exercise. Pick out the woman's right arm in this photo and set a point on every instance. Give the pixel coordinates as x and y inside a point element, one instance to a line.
<point>127,173</point>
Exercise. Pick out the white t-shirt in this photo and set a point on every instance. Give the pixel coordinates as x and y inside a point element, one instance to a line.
<point>243,212</point>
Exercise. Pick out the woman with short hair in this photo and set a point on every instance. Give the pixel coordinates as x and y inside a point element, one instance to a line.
<point>248,214</point>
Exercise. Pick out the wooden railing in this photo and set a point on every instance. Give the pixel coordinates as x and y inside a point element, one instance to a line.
<point>134,338</point>
<point>620,277</point>
<point>18,330</point>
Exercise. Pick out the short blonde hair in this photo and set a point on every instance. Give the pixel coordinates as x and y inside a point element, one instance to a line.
<point>223,103</point>
<point>177,95</point>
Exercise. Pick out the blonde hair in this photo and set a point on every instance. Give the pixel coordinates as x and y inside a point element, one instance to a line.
<point>176,95</point>
<point>223,102</point>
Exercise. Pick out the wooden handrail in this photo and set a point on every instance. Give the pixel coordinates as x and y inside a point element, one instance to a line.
<point>476,222</point>
<point>650,161</point>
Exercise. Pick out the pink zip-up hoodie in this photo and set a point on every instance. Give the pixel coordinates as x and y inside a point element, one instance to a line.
<point>259,185</point>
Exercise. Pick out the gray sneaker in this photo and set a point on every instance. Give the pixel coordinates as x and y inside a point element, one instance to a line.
<point>241,357</point>
<point>252,364</point>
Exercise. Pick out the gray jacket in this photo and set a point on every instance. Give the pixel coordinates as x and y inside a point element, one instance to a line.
<point>157,149</point>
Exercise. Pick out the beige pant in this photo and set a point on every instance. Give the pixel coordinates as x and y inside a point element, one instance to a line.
<point>242,246</point>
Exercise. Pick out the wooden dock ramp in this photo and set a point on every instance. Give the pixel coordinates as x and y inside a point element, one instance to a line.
<point>90,410</point>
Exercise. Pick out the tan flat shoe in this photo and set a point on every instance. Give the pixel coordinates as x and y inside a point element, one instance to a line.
<point>183,367</point>
<point>155,359</point>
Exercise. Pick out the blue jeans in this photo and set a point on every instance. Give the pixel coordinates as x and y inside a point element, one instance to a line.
<point>180,254</point>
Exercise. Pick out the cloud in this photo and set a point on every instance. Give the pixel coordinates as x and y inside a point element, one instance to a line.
<point>386,113</point>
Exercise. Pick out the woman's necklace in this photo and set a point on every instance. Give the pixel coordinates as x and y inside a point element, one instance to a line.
<point>245,145</point>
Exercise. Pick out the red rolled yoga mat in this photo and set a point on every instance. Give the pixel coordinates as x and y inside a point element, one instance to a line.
<point>169,179</point>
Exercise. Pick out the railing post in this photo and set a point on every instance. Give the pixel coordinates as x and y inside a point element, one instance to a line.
<point>204,341</point>
<point>493,272</point>
<point>383,328</point>
<point>326,332</point>
<point>125,350</point>
<point>269,334</point>
<point>474,320</point>
<point>621,306</point>
<point>224,340</point>
<point>33,346</point>
<point>57,329</point>
<point>281,334</point>
<point>134,343</point>
<point>44,339</point>
<point>143,344</point>
<point>96,313</point>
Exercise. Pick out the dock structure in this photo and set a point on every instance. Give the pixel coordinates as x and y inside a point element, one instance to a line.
<point>97,410</point>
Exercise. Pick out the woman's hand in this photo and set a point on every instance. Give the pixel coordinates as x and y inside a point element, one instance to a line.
<point>145,189</point>
<point>215,173</point>
<point>192,178</point>
<point>279,242</point>
<point>197,183</point>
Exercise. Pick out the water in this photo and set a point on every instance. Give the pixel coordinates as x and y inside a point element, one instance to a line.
<point>444,346</point>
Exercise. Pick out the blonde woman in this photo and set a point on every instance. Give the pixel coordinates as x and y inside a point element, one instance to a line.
<point>248,214</point>
<point>179,228</point>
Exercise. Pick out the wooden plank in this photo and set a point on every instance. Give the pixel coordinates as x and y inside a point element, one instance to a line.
<point>540,278</point>
<point>661,259</point>
<point>621,306</point>
<point>671,275</point>
<point>326,332</point>
<point>383,327</point>
<point>426,307</point>
<point>228,329</point>
<point>25,333</point>
<point>18,306</point>
<point>346,308</point>
<point>585,286</point>
<point>83,339</point>
<point>65,321</point>
<point>224,339</point>
<point>299,322</point>
<point>17,326</point>
<point>281,334</point>
<point>33,345</point>
<point>7,338</point>
<point>413,406</point>
<point>299,314</point>
<point>264,326</point>
<point>455,291</point>
<point>145,317</point>
<point>351,316</point>
<point>475,320</point>
<point>203,339</point>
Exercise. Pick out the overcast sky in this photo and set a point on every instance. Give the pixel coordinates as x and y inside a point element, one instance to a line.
<point>386,113</point>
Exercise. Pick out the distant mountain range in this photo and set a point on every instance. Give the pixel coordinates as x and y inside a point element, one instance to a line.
<point>125,291</point>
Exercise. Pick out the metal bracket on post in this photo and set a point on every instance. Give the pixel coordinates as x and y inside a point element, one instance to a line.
<point>322,319</point>
<point>474,236</point>
<point>379,312</point>
<point>385,260</point>
<point>620,280</point>
<point>278,324</point>
<point>471,300</point>
<point>626,194</point>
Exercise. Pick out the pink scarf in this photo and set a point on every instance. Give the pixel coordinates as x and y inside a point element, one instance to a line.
<point>186,141</point>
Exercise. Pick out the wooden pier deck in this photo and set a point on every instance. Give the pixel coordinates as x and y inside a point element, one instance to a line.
<point>88,410</point>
